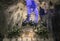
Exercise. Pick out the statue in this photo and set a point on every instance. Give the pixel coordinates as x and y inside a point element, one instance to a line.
<point>32,7</point>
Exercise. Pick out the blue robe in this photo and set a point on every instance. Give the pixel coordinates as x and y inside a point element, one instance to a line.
<point>31,4</point>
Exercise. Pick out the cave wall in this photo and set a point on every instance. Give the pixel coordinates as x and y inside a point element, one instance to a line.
<point>9,11</point>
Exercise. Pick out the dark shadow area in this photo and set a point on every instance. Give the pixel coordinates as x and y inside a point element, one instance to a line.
<point>9,2</point>
<point>56,23</point>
